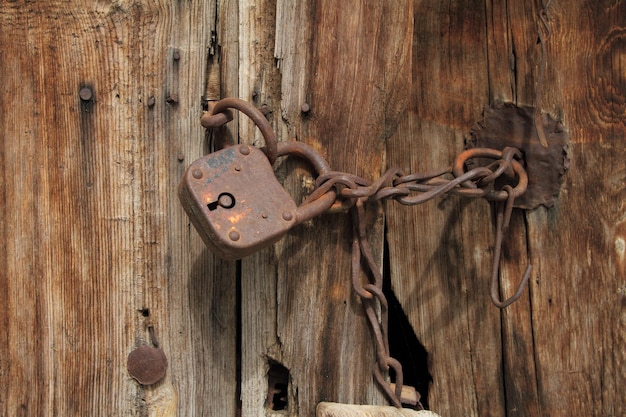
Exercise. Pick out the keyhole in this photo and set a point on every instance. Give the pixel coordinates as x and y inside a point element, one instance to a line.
<point>225,200</point>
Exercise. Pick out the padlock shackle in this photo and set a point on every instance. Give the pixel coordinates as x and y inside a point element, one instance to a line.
<point>210,120</point>
<point>306,152</point>
<point>314,208</point>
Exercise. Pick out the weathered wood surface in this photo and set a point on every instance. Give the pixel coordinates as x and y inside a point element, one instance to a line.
<point>298,308</point>
<point>96,246</point>
<point>559,350</point>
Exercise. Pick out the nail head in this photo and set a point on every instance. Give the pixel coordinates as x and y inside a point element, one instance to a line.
<point>147,365</point>
<point>85,94</point>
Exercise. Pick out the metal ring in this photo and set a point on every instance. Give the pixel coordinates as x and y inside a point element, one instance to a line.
<point>518,169</point>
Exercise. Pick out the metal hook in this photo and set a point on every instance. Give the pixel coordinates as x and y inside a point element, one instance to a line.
<point>503,217</point>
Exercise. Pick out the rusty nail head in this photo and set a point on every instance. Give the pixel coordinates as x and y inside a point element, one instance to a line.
<point>147,364</point>
<point>85,94</point>
<point>197,174</point>
<point>287,216</point>
<point>151,101</point>
<point>172,98</point>
<point>305,108</point>
<point>244,149</point>
<point>180,157</point>
<point>176,55</point>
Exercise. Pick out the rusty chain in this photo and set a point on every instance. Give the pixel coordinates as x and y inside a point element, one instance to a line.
<point>412,190</point>
<point>502,179</point>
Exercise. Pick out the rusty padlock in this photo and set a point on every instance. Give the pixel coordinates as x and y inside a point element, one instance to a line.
<point>236,203</point>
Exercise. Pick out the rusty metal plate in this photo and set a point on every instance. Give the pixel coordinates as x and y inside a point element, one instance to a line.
<point>506,124</point>
<point>235,202</point>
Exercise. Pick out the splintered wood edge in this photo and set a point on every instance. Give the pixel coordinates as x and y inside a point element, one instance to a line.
<point>327,409</point>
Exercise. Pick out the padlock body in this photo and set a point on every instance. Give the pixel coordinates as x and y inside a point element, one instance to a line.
<point>235,202</point>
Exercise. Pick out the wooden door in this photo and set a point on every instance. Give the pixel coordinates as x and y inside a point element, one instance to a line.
<point>99,118</point>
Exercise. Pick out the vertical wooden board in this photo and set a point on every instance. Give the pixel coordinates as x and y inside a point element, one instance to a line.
<point>60,293</point>
<point>500,52</point>
<point>331,57</point>
<point>257,80</point>
<point>562,358</point>
<point>201,289</point>
<point>577,304</point>
<point>513,57</point>
<point>441,251</point>
<point>359,60</point>
<point>97,245</point>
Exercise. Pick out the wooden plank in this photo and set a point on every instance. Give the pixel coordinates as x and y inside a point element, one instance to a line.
<point>577,306</point>
<point>355,66</point>
<point>440,251</point>
<point>550,368</point>
<point>97,246</point>
<point>561,351</point>
<point>297,304</point>
<point>257,81</point>
<point>513,75</point>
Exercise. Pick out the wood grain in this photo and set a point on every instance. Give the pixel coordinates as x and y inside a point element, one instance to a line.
<point>440,251</point>
<point>298,307</point>
<point>96,246</point>
<point>558,353</point>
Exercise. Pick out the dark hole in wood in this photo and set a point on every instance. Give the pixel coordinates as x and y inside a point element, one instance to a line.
<point>403,342</point>
<point>277,386</point>
<point>145,312</point>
